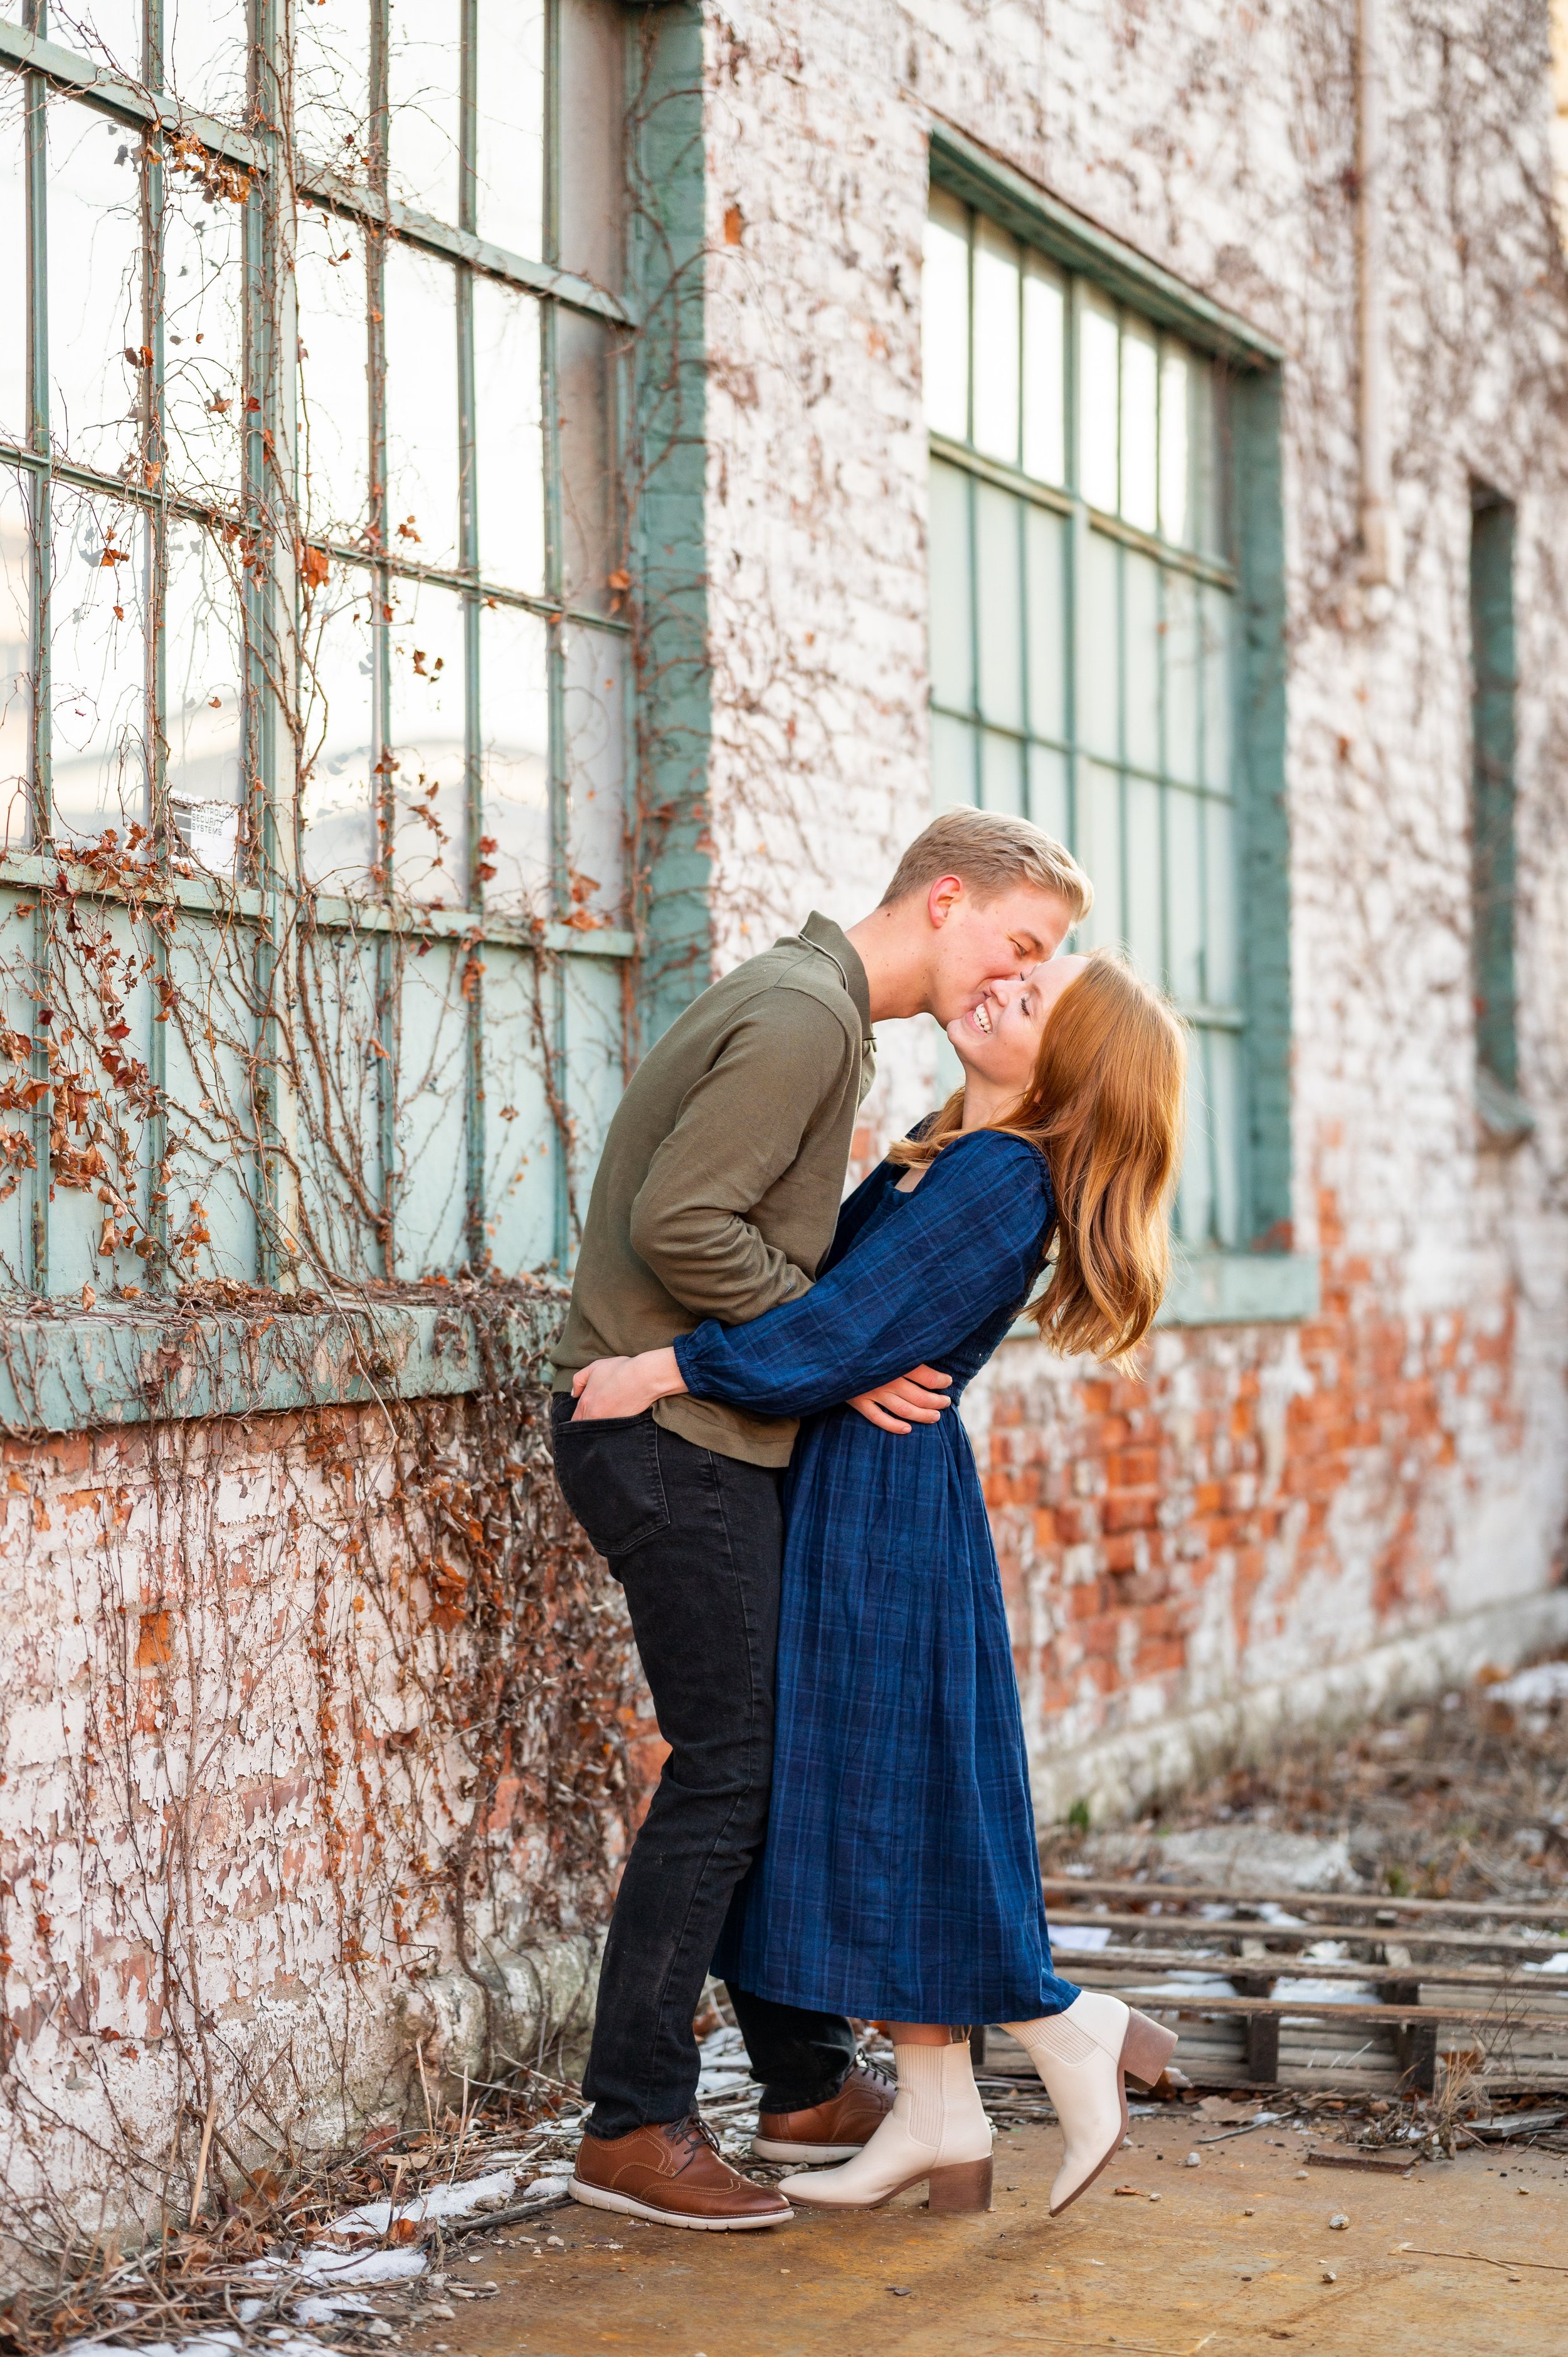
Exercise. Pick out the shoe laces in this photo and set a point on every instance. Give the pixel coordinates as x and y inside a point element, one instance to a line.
<point>695,2131</point>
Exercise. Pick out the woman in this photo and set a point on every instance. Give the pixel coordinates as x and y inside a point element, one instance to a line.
<point>900,1880</point>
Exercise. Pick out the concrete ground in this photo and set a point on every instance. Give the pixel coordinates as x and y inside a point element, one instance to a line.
<point>1234,2256</point>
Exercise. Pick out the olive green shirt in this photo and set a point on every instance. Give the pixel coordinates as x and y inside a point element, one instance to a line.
<point>719,1186</point>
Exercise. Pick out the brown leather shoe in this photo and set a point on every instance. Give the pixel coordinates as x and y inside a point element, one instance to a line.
<point>675,2177</point>
<point>832,2131</point>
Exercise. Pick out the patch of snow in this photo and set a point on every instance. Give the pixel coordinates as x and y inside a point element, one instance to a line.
<point>362,2266</point>
<point>202,2344</point>
<point>441,2201</point>
<point>1557,1964</point>
<point>1080,1939</point>
<point>1183,1984</point>
<point>1534,1689</point>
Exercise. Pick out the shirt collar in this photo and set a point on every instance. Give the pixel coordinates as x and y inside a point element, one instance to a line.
<point>824,934</point>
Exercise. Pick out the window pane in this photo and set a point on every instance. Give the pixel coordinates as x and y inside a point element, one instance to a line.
<point>97,608</point>
<point>203,709</point>
<point>203,295</point>
<point>1001,772</point>
<point>205,44</point>
<point>337,835</point>
<point>591,167</point>
<point>1097,402</point>
<point>332,79</point>
<point>424,66</point>
<point>1195,1202</point>
<point>1176,451</point>
<point>1140,407</point>
<point>110,30</point>
<point>953,621</point>
<point>1000,620</point>
<point>13,267</point>
<point>96,393</point>
<point>510,161</point>
<point>1224,1057</point>
<point>952,762</point>
<point>1099,850</point>
<point>1215,611</point>
<point>1044,553</point>
<point>422,406</point>
<point>1141,592</point>
<point>1145,866</point>
<point>1222,984</point>
<point>334,384</point>
<point>590,518</point>
<point>15,689</point>
<point>1183,895</point>
<point>995,342</point>
<point>514,738</point>
<point>1209,533</point>
<point>1045,349</point>
<point>1098,670</point>
<point>944,297</point>
<point>510,437</point>
<point>426,738</point>
<point>1048,791</point>
<point>1181,676</point>
<point>596,774</point>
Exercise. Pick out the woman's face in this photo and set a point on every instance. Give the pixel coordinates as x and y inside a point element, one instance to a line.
<point>999,1038</point>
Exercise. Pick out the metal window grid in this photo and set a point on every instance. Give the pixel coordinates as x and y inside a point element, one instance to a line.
<point>261,147</point>
<point>1203,569</point>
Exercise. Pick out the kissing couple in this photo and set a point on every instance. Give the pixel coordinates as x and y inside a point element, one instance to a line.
<point>754,1422</point>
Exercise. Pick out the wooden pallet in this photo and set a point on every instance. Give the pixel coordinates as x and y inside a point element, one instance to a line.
<point>1450,1987</point>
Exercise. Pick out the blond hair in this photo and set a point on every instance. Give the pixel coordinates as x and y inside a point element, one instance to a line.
<point>1105,1105</point>
<point>992,853</point>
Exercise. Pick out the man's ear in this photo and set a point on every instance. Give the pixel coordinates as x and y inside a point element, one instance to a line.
<point>943,897</point>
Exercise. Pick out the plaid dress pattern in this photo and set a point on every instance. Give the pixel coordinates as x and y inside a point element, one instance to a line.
<point>900,1879</point>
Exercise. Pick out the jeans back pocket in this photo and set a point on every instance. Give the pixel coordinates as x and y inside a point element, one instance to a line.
<point>609,1475</point>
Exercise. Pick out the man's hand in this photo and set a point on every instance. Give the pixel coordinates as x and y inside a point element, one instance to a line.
<point>625,1386</point>
<point>918,1397</point>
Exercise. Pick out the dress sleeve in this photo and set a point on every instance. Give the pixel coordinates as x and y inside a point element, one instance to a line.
<point>966,1245</point>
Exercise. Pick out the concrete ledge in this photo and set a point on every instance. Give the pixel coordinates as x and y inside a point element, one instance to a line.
<point>1242,1289</point>
<point>1117,1774</point>
<point>89,1369</point>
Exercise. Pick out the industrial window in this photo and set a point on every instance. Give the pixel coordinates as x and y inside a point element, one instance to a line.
<point>1081,625</point>
<point>1494,690</point>
<point>313,635</point>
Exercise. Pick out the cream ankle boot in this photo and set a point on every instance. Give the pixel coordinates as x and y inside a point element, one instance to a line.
<point>1083,2055</point>
<point>936,2131</point>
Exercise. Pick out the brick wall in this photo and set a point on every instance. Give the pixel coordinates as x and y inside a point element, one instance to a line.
<point>305,1716</point>
<point>1275,1518</point>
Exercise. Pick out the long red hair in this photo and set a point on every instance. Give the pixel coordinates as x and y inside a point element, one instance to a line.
<point>1105,1105</point>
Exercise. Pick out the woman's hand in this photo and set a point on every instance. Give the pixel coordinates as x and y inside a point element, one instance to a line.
<point>918,1397</point>
<point>625,1386</point>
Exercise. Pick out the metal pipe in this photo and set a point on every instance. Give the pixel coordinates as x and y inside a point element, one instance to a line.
<point>1382,550</point>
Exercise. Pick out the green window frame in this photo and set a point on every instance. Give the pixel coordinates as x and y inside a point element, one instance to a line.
<point>1107,652</point>
<point>1505,1117</point>
<point>362,984</point>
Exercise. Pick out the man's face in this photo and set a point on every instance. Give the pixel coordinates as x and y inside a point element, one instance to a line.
<point>978,943</point>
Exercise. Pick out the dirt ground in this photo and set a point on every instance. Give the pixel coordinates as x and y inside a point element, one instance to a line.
<point>1463,1798</point>
<point>1234,2255</point>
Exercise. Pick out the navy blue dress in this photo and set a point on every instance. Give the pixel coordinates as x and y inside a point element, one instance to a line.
<point>901,1879</point>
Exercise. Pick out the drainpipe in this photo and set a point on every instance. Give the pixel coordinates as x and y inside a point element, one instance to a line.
<point>1382,550</point>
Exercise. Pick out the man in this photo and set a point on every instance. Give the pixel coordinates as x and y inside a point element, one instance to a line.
<point>716,1197</point>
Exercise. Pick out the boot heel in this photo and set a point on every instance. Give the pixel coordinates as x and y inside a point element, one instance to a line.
<point>962,2185</point>
<point>1145,2049</point>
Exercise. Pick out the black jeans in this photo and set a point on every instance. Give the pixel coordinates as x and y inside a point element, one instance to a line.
<point>697,1542</point>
